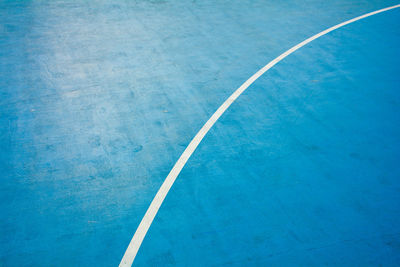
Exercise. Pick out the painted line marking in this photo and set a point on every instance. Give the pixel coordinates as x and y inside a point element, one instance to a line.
<point>155,205</point>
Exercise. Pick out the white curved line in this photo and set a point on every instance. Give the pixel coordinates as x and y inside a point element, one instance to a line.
<point>144,225</point>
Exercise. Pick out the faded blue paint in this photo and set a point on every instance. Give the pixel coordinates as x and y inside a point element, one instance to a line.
<point>98,100</point>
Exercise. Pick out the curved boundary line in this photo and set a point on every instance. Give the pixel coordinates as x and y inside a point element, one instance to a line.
<point>151,212</point>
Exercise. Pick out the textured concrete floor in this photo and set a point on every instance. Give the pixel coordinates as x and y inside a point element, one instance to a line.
<point>98,101</point>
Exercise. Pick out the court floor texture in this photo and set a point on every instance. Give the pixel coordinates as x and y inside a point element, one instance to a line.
<point>118,143</point>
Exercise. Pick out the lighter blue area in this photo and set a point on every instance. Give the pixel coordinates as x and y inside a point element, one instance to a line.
<point>98,101</point>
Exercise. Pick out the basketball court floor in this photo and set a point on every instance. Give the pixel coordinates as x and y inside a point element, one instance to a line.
<point>200,133</point>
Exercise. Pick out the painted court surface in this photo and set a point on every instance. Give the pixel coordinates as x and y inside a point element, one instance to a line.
<point>99,99</point>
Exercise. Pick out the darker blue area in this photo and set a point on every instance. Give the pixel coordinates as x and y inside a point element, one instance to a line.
<point>303,168</point>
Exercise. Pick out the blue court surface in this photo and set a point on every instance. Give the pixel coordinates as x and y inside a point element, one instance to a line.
<point>99,99</point>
